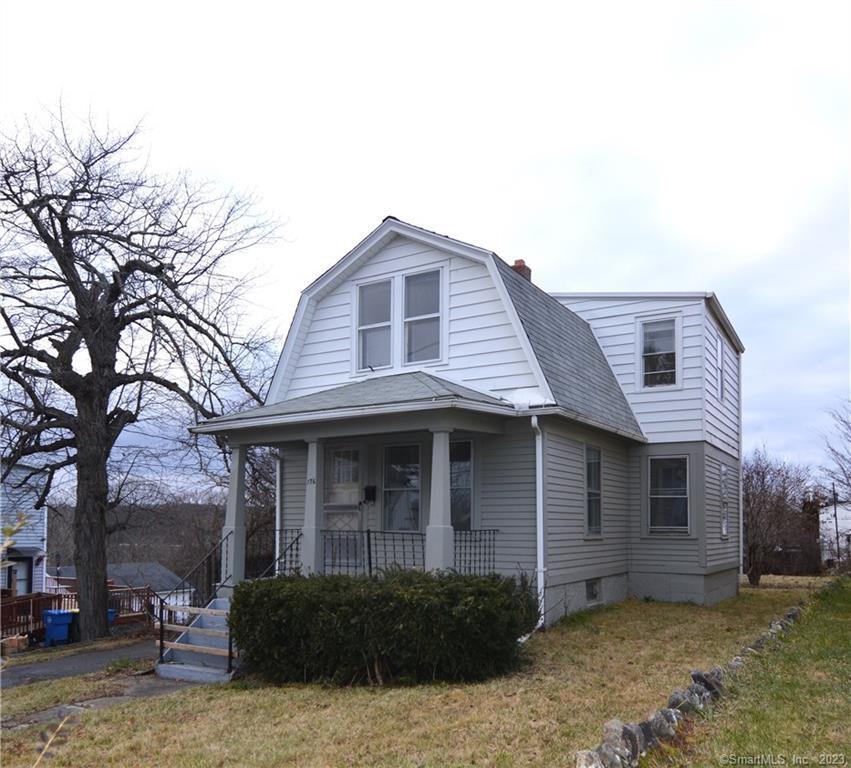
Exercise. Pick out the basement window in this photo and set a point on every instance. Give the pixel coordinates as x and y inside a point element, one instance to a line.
<point>593,593</point>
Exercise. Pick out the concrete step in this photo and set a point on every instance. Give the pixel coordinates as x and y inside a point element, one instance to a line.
<point>193,673</point>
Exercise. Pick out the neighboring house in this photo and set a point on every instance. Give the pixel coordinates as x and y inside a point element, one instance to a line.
<point>27,556</point>
<point>137,575</point>
<point>431,394</point>
<point>829,526</point>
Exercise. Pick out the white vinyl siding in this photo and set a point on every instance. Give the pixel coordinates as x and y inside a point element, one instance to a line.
<point>482,349</point>
<point>721,549</point>
<point>665,413</point>
<point>722,413</point>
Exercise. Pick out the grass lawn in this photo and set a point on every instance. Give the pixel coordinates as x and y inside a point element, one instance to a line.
<point>613,662</point>
<point>61,651</point>
<point>792,701</point>
<point>34,697</point>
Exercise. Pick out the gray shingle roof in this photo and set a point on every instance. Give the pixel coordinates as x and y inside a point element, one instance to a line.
<point>397,388</point>
<point>152,574</point>
<point>580,378</point>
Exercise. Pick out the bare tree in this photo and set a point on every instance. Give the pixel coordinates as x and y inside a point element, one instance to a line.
<point>838,447</point>
<point>117,303</point>
<point>774,494</point>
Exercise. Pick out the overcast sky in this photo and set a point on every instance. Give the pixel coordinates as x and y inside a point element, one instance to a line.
<point>614,146</point>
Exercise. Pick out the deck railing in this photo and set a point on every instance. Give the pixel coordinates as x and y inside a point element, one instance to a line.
<point>475,551</point>
<point>368,552</point>
<point>260,551</point>
<point>289,561</point>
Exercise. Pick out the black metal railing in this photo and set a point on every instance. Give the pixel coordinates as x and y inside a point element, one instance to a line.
<point>195,590</point>
<point>367,552</point>
<point>289,561</point>
<point>475,551</point>
<point>260,551</point>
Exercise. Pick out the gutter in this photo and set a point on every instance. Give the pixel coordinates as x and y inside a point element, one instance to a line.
<point>539,516</point>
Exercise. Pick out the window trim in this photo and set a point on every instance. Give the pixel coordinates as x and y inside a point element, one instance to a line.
<point>720,366</point>
<point>670,529</point>
<point>358,327</point>
<point>589,534</point>
<point>640,322</point>
<point>724,473</point>
<point>439,315</point>
<point>423,482</point>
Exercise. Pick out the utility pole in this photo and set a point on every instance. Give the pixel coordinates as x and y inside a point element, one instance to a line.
<point>836,523</point>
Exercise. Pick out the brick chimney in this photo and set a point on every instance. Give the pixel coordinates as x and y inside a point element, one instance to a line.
<point>521,269</point>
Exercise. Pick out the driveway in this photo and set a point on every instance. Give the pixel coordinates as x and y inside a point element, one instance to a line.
<point>77,664</point>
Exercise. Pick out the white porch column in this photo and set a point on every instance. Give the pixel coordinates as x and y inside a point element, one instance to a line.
<point>312,554</point>
<point>440,537</point>
<point>233,552</point>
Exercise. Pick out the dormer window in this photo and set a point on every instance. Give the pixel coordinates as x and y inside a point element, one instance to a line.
<point>374,325</point>
<point>659,356</point>
<point>422,317</point>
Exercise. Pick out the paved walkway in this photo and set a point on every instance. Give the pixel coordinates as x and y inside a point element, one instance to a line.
<point>77,664</point>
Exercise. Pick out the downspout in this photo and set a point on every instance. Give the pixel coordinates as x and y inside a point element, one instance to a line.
<point>539,515</point>
<point>741,477</point>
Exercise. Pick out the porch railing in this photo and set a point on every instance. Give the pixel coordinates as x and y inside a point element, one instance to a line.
<point>368,552</point>
<point>289,561</point>
<point>260,552</point>
<point>475,551</point>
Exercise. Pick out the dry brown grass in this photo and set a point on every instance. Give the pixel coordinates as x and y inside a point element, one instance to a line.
<point>62,651</point>
<point>619,661</point>
<point>770,581</point>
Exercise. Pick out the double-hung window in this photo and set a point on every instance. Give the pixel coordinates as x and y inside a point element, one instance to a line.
<point>402,488</point>
<point>669,493</point>
<point>374,325</point>
<point>593,492</point>
<point>422,317</point>
<point>658,352</point>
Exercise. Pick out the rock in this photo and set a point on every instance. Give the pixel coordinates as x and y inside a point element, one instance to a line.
<point>611,757</point>
<point>633,736</point>
<point>662,727</point>
<point>613,734</point>
<point>702,694</point>
<point>673,716</point>
<point>710,681</point>
<point>588,758</point>
<point>793,614</point>
<point>683,700</point>
<point>650,739</point>
<point>736,663</point>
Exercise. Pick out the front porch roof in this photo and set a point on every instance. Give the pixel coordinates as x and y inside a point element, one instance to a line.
<point>397,393</point>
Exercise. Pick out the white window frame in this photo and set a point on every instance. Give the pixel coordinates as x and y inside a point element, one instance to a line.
<point>724,506</point>
<point>589,534</point>
<point>677,529</point>
<point>358,327</point>
<point>640,322</point>
<point>440,315</point>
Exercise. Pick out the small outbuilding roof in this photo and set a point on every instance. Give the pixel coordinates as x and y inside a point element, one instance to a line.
<point>152,574</point>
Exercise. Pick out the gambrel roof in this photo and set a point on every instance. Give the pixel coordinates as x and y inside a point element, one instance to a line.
<point>580,378</point>
<point>571,371</point>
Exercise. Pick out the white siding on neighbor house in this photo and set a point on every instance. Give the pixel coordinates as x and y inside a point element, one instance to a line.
<point>506,473</point>
<point>571,554</point>
<point>666,414</point>
<point>483,349</point>
<point>722,415</point>
<point>720,549</point>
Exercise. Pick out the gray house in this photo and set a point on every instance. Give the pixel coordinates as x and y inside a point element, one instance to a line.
<point>435,408</point>
<point>27,558</point>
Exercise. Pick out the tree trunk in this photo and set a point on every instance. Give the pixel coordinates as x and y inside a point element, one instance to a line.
<point>754,567</point>
<point>90,522</point>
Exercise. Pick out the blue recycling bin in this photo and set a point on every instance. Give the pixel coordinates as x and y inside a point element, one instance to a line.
<point>56,625</point>
<point>111,613</point>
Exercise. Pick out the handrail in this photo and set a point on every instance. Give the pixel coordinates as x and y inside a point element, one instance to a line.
<point>273,566</point>
<point>202,562</point>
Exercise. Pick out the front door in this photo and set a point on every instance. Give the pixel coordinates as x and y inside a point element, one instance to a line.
<point>343,471</point>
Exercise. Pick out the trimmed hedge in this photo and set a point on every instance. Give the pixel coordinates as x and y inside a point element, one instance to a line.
<point>406,625</point>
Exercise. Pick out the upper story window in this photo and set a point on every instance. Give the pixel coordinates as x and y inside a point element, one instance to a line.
<point>593,492</point>
<point>422,317</point>
<point>658,352</point>
<point>374,325</point>
<point>669,493</point>
<point>721,383</point>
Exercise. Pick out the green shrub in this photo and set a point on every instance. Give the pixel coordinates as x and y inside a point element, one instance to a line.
<point>407,625</point>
